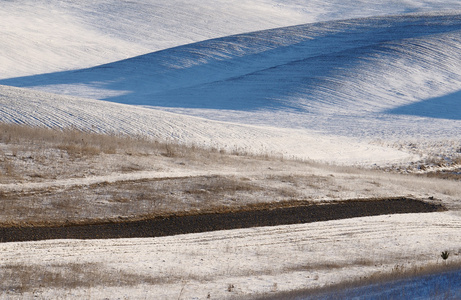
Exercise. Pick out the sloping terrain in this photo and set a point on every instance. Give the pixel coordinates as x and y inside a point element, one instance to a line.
<point>55,35</point>
<point>388,78</point>
<point>234,264</point>
<point>50,110</point>
<point>373,83</point>
<point>355,66</point>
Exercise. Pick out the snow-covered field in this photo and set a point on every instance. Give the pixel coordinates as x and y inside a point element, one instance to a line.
<point>254,261</point>
<point>377,81</point>
<point>369,83</point>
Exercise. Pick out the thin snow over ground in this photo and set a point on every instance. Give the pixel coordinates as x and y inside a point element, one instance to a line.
<point>42,109</point>
<point>372,82</point>
<point>248,261</point>
<point>376,90</point>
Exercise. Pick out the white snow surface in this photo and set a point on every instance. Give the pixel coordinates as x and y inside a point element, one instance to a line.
<point>336,80</point>
<point>52,35</point>
<point>42,109</point>
<point>323,91</point>
<point>255,261</point>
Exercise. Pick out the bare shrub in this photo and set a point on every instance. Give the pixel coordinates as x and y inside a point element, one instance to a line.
<point>445,255</point>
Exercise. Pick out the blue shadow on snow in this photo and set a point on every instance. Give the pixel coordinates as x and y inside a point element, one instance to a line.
<point>445,107</point>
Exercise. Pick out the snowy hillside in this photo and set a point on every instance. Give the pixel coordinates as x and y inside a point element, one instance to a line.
<point>42,109</point>
<point>354,66</point>
<point>392,78</point>
<point>370,83</point>
<point>55,35</point>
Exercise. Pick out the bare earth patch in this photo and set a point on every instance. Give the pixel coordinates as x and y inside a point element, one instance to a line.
<point>217,219</point>
<point>54,183</point>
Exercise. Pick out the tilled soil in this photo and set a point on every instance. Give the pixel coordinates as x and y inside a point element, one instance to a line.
<point>193,223</point>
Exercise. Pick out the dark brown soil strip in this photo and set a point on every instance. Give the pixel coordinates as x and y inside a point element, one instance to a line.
<point>164,226</point>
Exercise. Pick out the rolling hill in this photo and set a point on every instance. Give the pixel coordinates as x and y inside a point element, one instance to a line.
<point>369,83</point>
<point>388,80</point>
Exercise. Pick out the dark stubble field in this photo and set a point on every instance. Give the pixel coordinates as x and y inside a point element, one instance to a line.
<point>254,216</point>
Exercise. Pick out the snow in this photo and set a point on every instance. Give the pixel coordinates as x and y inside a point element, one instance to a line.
<point>442,285</point>
<point>252,260</point>
<point>346,82</point>
<point>349,80</point>
<point>42,109</point>
<point>57,35</point>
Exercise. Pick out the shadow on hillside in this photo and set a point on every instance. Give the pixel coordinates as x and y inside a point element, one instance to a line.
<point>283,68</point>
<point>176,77</point>
<point>445,107</point>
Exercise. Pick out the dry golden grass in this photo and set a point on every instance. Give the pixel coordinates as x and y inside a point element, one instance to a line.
<point>35,154</point>
<point>30,154</point>
<point>43,155</point>
<point>78,143</point>
<point>137,198</point>
<point>23,278</point>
